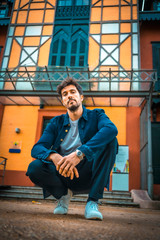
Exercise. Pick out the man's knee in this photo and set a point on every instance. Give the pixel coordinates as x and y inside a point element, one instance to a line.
<point>34,168</point>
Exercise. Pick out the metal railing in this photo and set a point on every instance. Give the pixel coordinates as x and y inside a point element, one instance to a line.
<point>47,79</point>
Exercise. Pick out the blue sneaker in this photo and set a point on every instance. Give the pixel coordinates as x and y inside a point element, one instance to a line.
<point>91,211</point>
<point>63,203</point>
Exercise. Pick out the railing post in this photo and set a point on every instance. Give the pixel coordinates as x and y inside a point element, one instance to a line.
<point>29,78</point>
<point>48,78</point>
<point>11,78</point>
<point>110,78</point>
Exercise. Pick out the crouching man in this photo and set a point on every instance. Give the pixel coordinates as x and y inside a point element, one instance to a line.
<point>76,153</point>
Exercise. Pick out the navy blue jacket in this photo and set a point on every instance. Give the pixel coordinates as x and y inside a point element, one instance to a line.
<point>95,131</point>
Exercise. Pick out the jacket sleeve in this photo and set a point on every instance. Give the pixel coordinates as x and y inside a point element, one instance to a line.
<point>42,149</point>
<point>107,131</point>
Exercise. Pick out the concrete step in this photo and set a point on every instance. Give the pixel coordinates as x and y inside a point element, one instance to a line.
<point>35,193</point>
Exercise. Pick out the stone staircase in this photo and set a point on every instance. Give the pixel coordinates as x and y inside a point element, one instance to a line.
<point>116,198</point>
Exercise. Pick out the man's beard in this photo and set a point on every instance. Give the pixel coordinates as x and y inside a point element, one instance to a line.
<point>74,108</point>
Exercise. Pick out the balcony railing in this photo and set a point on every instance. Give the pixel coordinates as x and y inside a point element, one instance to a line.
<point>149,15</point>
<point>42,83</point>
<point>46,79</point>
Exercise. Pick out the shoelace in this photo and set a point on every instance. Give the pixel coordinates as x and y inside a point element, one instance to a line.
<point>61,203</point>
<point>94,206</point>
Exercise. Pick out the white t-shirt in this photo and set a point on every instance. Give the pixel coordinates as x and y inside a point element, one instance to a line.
<point>72,140</point>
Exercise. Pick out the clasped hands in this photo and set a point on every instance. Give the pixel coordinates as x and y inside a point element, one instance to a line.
<point>66,165</point>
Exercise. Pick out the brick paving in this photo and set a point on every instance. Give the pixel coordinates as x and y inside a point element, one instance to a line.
<point>35,220</point>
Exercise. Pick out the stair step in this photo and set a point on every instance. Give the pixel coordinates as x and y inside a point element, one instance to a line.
<point>82,200</point>
<point>35,193</point>
<point>38,190</point>
<point>40,195</point>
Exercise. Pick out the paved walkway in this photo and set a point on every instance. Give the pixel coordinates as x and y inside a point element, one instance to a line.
<point>35,220</point>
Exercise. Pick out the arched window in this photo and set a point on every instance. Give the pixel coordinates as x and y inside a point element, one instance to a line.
<point>59,49</point>
<point>68,48</point>
<point>79,49</point>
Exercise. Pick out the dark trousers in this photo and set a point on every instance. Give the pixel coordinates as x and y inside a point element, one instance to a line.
<point>93,176</point>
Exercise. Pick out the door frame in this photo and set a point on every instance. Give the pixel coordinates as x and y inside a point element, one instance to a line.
<point>44,114</point>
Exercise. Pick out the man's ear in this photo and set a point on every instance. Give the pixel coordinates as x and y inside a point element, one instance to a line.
<point>62,101</point>
<point>82,98</point>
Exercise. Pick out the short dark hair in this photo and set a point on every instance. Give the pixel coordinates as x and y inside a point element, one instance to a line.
<point>69,81</point>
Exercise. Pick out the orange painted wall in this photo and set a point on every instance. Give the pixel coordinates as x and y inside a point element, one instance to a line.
<point>25,118</point>
<point>118,116</point>
<point>133,141</point>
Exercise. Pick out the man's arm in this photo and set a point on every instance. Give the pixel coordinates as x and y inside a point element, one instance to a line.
<point>107,131</point>
<point>43,148</point>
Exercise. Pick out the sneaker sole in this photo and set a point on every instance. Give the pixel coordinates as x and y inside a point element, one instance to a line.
<point>94,218</point>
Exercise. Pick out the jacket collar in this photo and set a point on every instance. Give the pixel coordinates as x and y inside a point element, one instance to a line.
<point>84,115</point>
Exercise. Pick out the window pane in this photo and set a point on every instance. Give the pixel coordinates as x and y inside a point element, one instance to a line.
<point>85,2</point>
<point>64,46</point>
<point>61,3</point>
<point>110,28</point>
<point>74,47</point>
<point>69,3</point>
<point>33,30</point>
<point>82,46</point>
<point>158,6</point>
<point>134,27</point>
<point>8,46</point>
<point>64,3</point>
<point>81,61</point>
<point>55,46</point>
<point>5,62</point>
<point>82,2</point>
<point>62,61</point>
<point>73,60</point>
<point>54,60</point>
<point>135,43</point>
<point>11,31</point>
<point>135,62</point>
<point>78,2</point>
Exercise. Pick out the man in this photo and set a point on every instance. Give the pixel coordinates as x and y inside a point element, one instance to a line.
<point>76,153</point>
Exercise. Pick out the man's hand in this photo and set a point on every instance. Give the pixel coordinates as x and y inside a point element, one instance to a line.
<point>55,158</point>
<point>66,166</point>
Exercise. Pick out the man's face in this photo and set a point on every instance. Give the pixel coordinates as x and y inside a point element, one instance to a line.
<point>71,98</point>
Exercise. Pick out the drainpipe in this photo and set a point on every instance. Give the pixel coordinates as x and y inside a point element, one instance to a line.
<point>150,168</point>
<point>143,3</point>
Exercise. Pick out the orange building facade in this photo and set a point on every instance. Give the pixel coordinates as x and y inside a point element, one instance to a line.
<point>109,31</point>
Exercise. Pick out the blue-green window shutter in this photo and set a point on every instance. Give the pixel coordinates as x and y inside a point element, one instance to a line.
<point>156,62</point>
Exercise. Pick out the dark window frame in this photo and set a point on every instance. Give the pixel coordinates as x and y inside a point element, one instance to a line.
<point>60,37</point>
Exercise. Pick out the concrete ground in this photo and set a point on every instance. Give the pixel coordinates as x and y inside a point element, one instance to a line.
<point>34,220</point>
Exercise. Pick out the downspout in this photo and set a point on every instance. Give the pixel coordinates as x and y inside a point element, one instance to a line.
<point>150,168</point>
<point>143,3</point>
